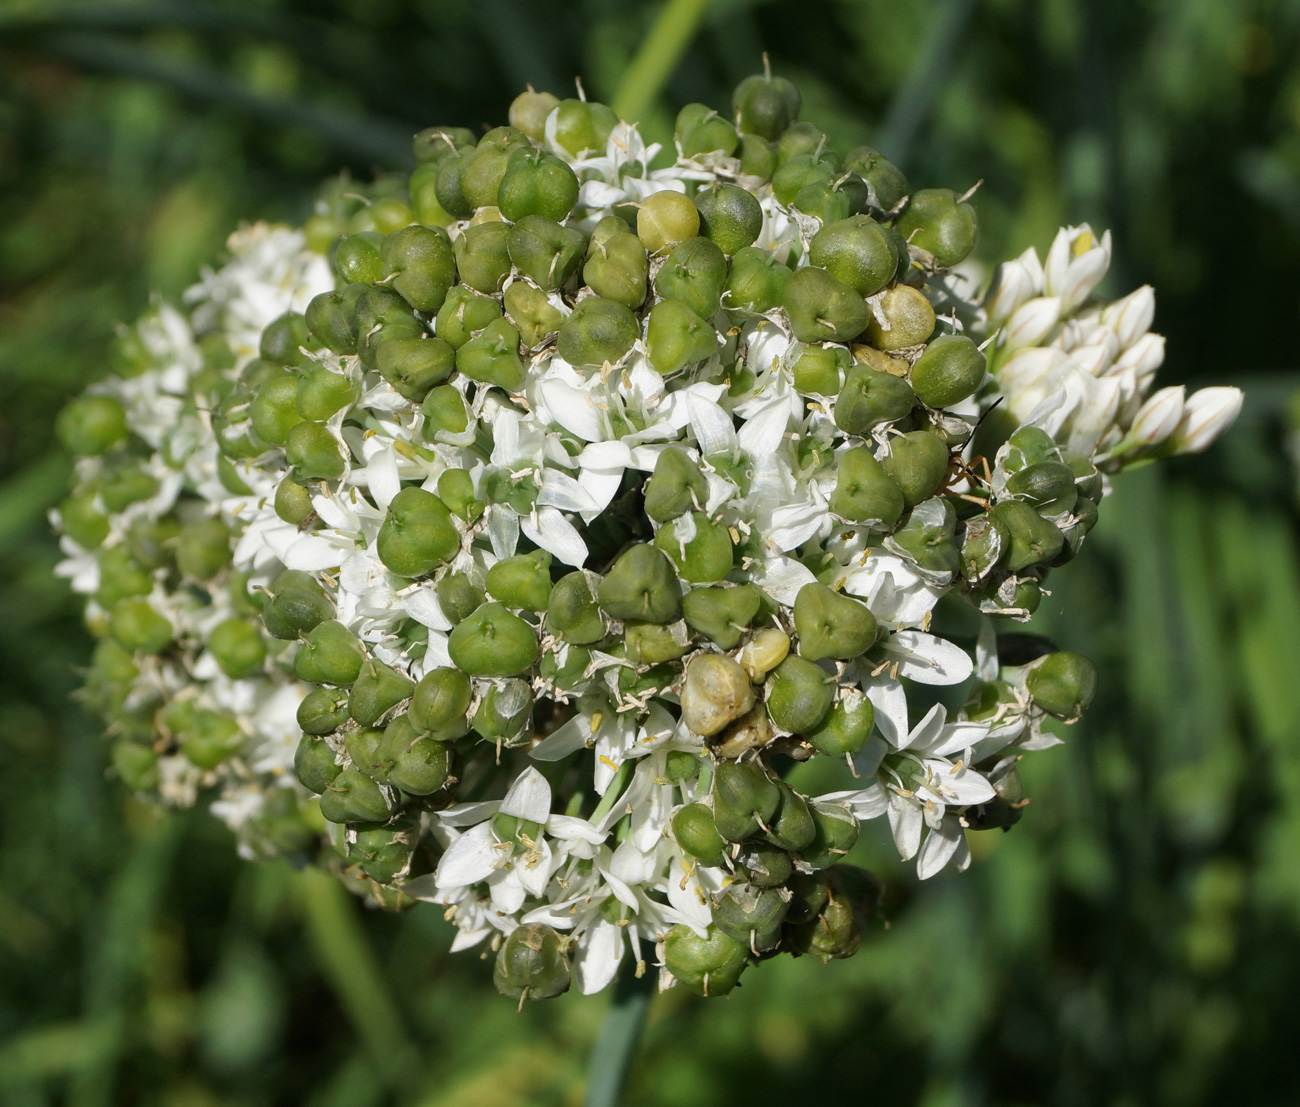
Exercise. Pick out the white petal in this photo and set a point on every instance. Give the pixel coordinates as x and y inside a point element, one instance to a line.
<point>932,660</point>
<point>599,952</point>
<point>529,797</point>
<point>714,430</point>
<point>383,481</point>
<point>556,535</point>
<point>905,823</point>
<point>938,849</point>
<point>890,701</point>
<point>311,554</point>
<point>472,857</point>
<point>569,828</point>
<point>573,409</point>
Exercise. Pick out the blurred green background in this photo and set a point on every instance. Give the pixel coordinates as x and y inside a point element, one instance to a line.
<point>1135,941</point>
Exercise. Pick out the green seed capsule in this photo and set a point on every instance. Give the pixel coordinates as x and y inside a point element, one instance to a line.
<point>483,256</point>
<point>871,398</point>
<point>572,614</point>
<point>951,369</point>
<point>928,536</point>
<point>695,272</point>
<point>417,764</point>
<point>203,548</point>
<point>935,221</point>
<point>457,596</point>
<point>677,337</point>
<point>484,168</point>
<point>653,644</point>
<point>90,426</point>
<point>448,190</point>
<point>764,865</point>
<point>423,187</point>
<point>823,309</point>
<point>120,577</point>
<point>293,502</point>
<point>388,214</point>
<point>376,691</point>
<point>700,549</point>
<point>418,534</point>
<point>864,492</point>
<point>322,392</point>
<point>750,915</point>
<point>532,961</point>
<point>682,766</point>
<point>765,105</point>
<point>730,216</point>
<point>1032,540</point>
<point>504,710</point>
<point>799,693</point>
<point>721,614</point>
<point>532,313</point>
<point>809,896</point>
<point>456,491</point>
<point>817,369</point>
<point>545,252</point>
<point>313,453</point>
<point>137,627</point>
<point>835,200</point>
<point>743,797</point>
<point>831,625</point>
<point>440,704</point>
<point>274,410</point>
<point>836,832</point>
<point>357,258</point>
<point>384,851</point>
<point>125,486</point>
<point>492,356</point>
<point>332,318</point>
<point>330,654</point>
<point>420,266</point>
<point>1063,684</point>
<point>283,338</point>
<point>675,487</point>
<point>414,365</point>
<point>846,729</point>
<point>709,966</point>
<point>323,711</point>
<point>238,648</point>
<point>522,581</point>
<point>757,157</point>
<point>701,130</point>
<point>695,832</point>
<point>918,462</point>
<point>910,317</point>
<point>1048,485</point>
<point>528,112</point>
<point>493,642</point>
<point>463,314</point>
<point>151,543</point>
<point>136,766</point>
<point>538,184</point>
<point>596,332</point>
<point>298,604</point>
<point>665,219</point>
<point>565,667</point>
<point>210,738</point>
<point>792,827</point>
<point>799,139</point>
<point>583,126</point>
<point>985,540</point>
<point>885,178</point>
<point>519,491</point>
<point>794,174</point>
<point>617,267</point>
<point>353,797</point>
<point>314,764</point>
<point>641,585</point>
<point>435,144</point>
<point>856,251</point>
<point>82,521</point>
<point>757,281</point>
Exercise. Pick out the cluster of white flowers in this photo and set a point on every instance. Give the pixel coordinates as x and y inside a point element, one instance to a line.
<point>618,785</point>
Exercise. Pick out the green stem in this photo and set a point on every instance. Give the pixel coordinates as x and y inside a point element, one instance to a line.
<point>658,57</point>
<point>619,1036</point>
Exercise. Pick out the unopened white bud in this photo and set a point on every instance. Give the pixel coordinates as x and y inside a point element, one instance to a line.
<point>1016,281</point>
<point>1131,317</point>
<point>1093,359</point>
<point>1143,357</point>
<point>1207,413</point>
<point>1159,417</point>
<point>1030,323</point>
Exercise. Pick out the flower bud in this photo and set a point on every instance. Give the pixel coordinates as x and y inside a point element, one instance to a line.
<point>323,711</point>
<point>418,764</point>
<point>314,764</point>
<point>492,642</point>
<point>676,337</point>
<point>835,831</point>
<point>1063,684</point>
<point>353,797</point>
<point>376,691</point>
<point>918,463</point>
<point>1075,264</point>
<point>664,219</point>
<point>1131,317</point>
<point>697,835</point>
<point>91,425</point>
<point>583,126</point>
<point>641,585</point>
<point>950,370</point>
<point>1159,417</point>
<point>750,915</point>
<point>831,625</point>
<point>730,216</point>
<point>417,535</point>
<point>1030,323</point>
<point>699,548</point>
<point>822,308</point>
<point>463,314</point>
<point>708,966</point>
<point>756,282</point>
<point>846,728</point>
<point>721,614</point>
<point>597,331</point>
<point>715,692</point>
<point>743,797</point>
<point>1207,413</point>
<point>937,222</point>
<point>532,963</point>
<point>799,694</point>
<point>856,251</point>
<point>1015,283</point>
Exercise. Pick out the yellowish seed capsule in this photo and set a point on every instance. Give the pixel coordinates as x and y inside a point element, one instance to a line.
<point>764,652</point>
